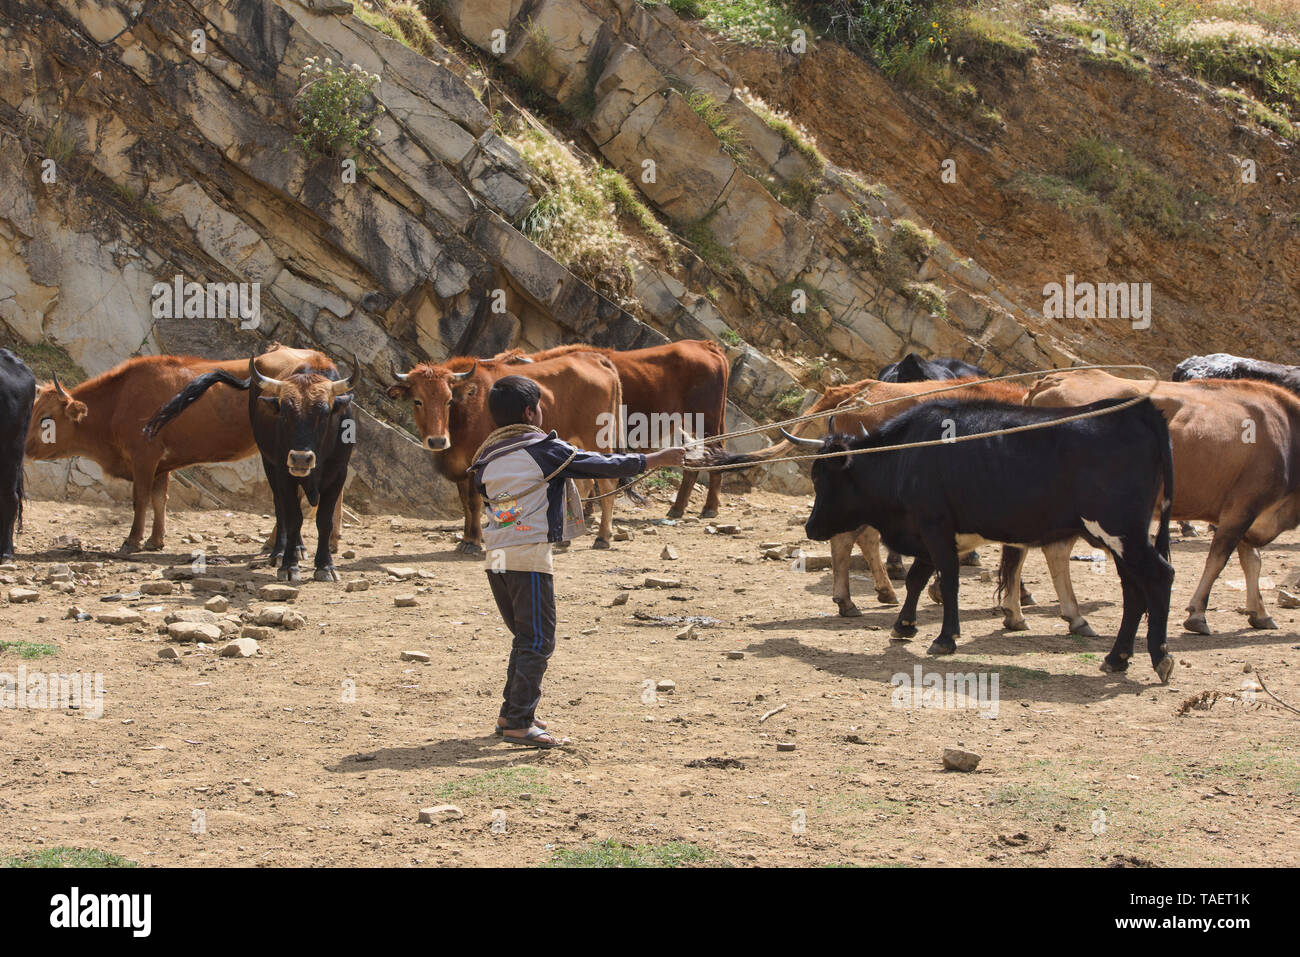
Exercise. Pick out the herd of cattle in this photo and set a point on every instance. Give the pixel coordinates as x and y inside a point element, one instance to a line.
<point>1074,454</point>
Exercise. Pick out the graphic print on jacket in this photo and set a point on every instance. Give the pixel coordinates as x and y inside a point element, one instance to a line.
<point>522,507</point>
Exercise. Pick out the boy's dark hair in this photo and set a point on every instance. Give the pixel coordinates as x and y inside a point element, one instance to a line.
<point>509,397</point>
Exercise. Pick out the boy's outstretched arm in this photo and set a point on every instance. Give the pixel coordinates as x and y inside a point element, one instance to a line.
<point>594,465</point>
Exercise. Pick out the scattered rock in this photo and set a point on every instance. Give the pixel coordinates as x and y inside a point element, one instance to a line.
<point>687,633</point>
<point>421,656</point>
<point>1287,600</point>
<point>349,553</point>
<point>720,763</point>
<point>119,616</point>
<point>400,571</point>
<point>201,615</point>
<point>735,655</point>
<point>77,613</point>
<point>18,596</point>
<point>218,585</point>
<point>669,553</point>
<point>168,651</point>
<point>785,745</point>
<point>257,632</point>
<point>217,604</point>
<point>357,584</point>
<point>280,615</point>
<point>666,686</point>
<point>652,582</point>
<point>193,631</point>
<point>622,535</point>
<point>240,648</point>
<point>443,812</point>
<point>67,543</point>
<point>406,600</point>
<point>955,759</point>
<point>158,587</point>
<point>619,599</point>
<point>277,593</point>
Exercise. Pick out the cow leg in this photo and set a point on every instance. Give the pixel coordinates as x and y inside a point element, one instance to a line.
<point>1251,564</point>
<point>1225,540</point>
<point>869,543</point>
<point>158,499</point>
<point>841,554</point>
<point>946,560</point>
<point>1155,577</point>
<point>1013,561</point>
<point>713,501</point>
<point>291,519</point>
<point>471,542</point>
<point>894,566</point>
<point>684,495</point>
<point>336,531</point>
<point>1134,605</point>
<point>1058,565</point>
<point>606,488</point>
<point>142,480</point>
<point>917,576</point>
<point>326,512</point>
<point>10,505</point>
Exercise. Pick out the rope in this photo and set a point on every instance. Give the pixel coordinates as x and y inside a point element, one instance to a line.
<point>862,402</point>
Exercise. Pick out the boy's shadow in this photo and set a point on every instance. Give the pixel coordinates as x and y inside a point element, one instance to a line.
<point>486,752</point>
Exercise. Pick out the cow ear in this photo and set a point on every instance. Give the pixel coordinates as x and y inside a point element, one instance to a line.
<point>341,401</point>
<point>272,400</point>
<point>469,392</point>
<point>76,410</point>
<point>399,391</point>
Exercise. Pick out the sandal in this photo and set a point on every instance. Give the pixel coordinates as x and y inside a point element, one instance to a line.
<point>535,738</point>
<point>500,729</point>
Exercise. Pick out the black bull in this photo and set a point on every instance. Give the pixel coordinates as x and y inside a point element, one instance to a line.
<point>1098,478</point>
<point>17,392</point>
<point>305,433</point>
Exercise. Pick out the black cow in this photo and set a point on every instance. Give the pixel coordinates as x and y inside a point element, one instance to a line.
<point>17,393</point>
<point>912,368</point>
<point>1098,478</point>
<point>1220,365</point>
<point>305,432</point>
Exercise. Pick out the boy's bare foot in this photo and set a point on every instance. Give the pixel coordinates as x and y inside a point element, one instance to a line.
<point>533,737</point>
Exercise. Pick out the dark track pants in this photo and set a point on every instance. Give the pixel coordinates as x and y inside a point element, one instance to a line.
<point>527,604</point>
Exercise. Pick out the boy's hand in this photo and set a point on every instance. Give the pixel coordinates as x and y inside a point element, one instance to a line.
<point>673,456</point>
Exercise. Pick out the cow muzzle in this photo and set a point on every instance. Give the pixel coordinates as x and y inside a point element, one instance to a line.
<point>301,463</point>
<point>436,443</point>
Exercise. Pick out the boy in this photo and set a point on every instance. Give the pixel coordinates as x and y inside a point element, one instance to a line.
<point>522,473</point>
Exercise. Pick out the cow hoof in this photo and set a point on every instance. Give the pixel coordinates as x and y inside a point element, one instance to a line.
<point>469,548</point>
<point>152,546</point>
<point>886,596</point>
<point>1026,598</point>
<point>325,575</point>
<point>1165,668</point>
<point>129,547</point>
<point>972,560</point>
<point>1082,629</point>
<point>1010,625</point>
<point>292,574</point>
<point>896,572</point>
<point>935,594</point>
<point>904,631</point>
<point>1113,664</point>
<point>600,543</point>
<point>1262,621</point>
<point>848,609</point>
<point>942,646</point>
<point>334,548</point>
<point>709,513</point>
<point>1196,624</point>
<point>676,512</point>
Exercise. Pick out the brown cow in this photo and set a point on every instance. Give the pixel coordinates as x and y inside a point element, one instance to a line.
<point>670,383</point>
<point>580,401</point>
<point>1237,464</point>
<point>907,394</point>
<point>102,419</point>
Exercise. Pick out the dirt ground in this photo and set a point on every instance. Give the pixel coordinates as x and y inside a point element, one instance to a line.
<point>323,748</point>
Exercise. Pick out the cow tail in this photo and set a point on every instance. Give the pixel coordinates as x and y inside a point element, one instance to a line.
<point>188,396</point>
<point>620,436</point>
<point>1010,561</point>
<point>1167,494</point>
<point>21,496</point>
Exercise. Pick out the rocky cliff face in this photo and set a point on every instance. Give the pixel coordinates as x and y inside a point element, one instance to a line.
<point>146,141</point>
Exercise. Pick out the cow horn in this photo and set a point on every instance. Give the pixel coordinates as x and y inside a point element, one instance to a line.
<point>59,388</point>
<point>265,384</point>
<point>465,375</point>
<point>350,383</point>
<point>863,429</point>
<point>797,440</point>
<point>830,424</point>
<point>399,376</point>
